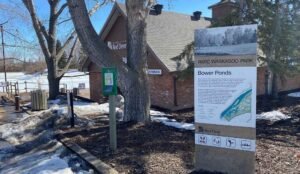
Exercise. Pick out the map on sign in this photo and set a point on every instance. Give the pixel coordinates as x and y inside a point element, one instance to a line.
<point>225,99</point>
<point>240,106</point>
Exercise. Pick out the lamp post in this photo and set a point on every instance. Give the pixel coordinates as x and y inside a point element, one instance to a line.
<point>3,50</point>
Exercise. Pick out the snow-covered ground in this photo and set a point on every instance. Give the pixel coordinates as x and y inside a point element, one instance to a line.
<point>71,79</point>
<point>28,146</point>
<point>295,94</point>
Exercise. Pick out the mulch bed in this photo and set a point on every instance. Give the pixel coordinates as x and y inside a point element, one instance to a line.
<point>155,148</point>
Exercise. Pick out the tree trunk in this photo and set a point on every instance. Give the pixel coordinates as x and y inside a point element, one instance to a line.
<point>137,97</point>
<point>53,87</point>
<point>137,101</point>
<point>132,78</point>
<point>275,86</point>
<point>53,80</point>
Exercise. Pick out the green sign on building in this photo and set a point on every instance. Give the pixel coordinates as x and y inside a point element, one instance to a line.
<point>109,81</point>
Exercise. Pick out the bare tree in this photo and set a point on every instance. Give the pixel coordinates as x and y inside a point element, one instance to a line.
<point>48,38</point>
<point>132,77</point>
<point>48,43</point>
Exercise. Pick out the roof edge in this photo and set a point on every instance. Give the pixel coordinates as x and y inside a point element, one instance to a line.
<point>219,4</point>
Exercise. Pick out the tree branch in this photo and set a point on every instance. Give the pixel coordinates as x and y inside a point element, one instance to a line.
<point>62,8</point>
<point>43,29</point>
<point>91,11</point>
<point>69,61</point>
<point>35,21</point>
<point>97,50</point>
<point>65,45</point>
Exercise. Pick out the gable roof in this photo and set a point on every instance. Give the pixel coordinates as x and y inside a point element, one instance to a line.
<point>167,33</point>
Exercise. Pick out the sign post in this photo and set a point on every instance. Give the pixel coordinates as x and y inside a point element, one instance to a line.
<point>71,108</point>
<point>225,99</point>
<point>109,88</point>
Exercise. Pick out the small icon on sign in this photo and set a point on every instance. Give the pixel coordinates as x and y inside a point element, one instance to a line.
<point>202,139</point>
<point>245,144</point>
<point>216,141</point>
<point>200,129</point>
<point>230,142</point>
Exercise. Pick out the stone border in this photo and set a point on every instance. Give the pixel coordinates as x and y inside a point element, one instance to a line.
<point>95,163</point>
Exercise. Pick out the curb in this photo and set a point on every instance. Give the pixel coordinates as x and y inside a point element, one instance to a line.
<point>95,163</point>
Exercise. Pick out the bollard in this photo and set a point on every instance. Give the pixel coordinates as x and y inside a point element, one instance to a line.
<point>17,102</point>
<point>71,108</point>
<point>112,123</point>
<point>75,91</point>
<point>63,90</point>
<point>25,86</point>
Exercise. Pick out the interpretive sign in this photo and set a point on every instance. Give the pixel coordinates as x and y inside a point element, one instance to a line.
<point>225,98</point>
<point>109,81</point>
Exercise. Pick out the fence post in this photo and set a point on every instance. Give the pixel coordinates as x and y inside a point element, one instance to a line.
<point>25,86</point>
<point>17,102</point>
<point>7,87</point>
<point>11,88</point>
<point>15,85</point>
<point>18,88</point>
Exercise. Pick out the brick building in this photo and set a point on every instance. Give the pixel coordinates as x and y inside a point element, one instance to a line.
<point>168,34</point>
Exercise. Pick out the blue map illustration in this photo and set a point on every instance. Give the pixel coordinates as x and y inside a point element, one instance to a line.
<point>241,105</point>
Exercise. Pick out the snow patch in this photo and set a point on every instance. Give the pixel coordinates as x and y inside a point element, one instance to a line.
<point>160,117</point>
<point>272,116</point>
<point>295,94</point>
<point>54,165</point>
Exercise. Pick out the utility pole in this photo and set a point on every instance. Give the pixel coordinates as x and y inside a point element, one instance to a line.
<point>3,50</point>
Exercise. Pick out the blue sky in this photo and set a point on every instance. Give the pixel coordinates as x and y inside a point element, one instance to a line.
<point>23,29</point>
<point>181,6</point>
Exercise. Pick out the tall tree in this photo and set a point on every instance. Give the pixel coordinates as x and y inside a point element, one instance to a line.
<point>132,77</point>
<point>278,38</point>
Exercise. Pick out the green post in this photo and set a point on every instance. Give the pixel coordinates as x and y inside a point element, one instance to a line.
<point>112,123</point>
<point>109,88</point>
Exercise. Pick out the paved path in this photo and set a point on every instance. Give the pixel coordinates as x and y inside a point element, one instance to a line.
<point>8,114</point>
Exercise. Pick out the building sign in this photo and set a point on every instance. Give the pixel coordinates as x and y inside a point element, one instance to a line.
<point>109,81</point>
<point>81,85</point>
<point>117,45</point>
<point>154,72</point>
<point>225,78</point>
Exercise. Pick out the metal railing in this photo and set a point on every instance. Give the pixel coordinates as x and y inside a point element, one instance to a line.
<point>14,88</point>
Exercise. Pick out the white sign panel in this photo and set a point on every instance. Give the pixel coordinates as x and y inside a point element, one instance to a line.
<point>117,45</point>
<point>154,71</point>
<point>226,96</point>
<point>108,79</point>
<point>81,85</point>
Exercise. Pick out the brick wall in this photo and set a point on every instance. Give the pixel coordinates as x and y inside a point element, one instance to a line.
<point>185,92</point>
<point>290,83</point>
<point>95,82</point>
<point>222,11</point>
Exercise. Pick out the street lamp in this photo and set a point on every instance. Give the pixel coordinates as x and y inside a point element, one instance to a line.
<point>3,51</point>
